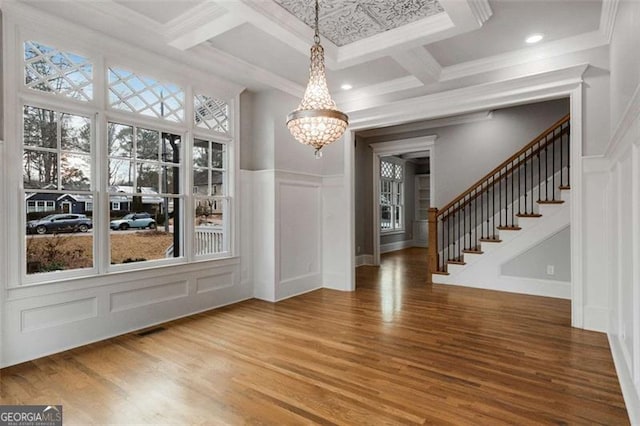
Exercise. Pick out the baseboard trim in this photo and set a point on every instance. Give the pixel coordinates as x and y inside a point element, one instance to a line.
<point>364,259</point>
<point>556,289</point>
<point>629,392</point>
<point>398,245</point>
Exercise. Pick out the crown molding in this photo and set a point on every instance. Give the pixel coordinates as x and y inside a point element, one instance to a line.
<point>608,18</point>
<point>528,88</point>
<point>367,92</point>
<point>403,146</point>
<point>430,124</point>
<point>510,59</point>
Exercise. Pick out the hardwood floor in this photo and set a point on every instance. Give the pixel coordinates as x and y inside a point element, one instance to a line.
<point>396,351</point>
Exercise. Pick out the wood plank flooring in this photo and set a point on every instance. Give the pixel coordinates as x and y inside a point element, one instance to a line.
<point>396,351</point>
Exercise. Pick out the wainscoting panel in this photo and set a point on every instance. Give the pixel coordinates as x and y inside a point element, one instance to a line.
<point>131,299</point>
<point>98,308</point>
<point>58,314</point>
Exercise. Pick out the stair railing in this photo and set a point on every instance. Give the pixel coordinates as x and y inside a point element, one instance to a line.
<point>494,202</point>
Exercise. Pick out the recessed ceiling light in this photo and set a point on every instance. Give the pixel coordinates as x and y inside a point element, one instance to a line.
<point>533,38</point>
<point>346,86</point>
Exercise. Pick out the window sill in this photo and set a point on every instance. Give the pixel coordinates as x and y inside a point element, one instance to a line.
<point>54,286</point>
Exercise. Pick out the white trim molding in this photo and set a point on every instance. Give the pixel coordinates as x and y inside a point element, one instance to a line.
<point>385,149</point>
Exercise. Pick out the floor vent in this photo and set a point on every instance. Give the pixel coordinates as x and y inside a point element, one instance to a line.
<point>149,331</point>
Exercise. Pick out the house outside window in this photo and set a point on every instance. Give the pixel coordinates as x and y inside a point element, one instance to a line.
<point>391,195</point>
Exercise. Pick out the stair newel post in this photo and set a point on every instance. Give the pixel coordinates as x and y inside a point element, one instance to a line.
<point>432,251</point>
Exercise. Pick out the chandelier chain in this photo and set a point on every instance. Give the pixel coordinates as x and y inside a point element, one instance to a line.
<point>316,36</point>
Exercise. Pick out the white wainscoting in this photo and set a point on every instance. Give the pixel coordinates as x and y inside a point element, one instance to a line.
<point>38,322</point>
<point>620,203</point>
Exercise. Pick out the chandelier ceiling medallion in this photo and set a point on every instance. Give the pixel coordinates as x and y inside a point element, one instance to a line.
<point>317,121</point>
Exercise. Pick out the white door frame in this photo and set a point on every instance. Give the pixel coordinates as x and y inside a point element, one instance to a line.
<point>386,149</point>
<point>554,84</point>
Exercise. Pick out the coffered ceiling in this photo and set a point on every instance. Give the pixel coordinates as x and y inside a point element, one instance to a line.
<point>347,21</point>
<point>382,48</point>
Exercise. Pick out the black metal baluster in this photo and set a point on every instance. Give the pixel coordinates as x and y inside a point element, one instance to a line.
<point>493,206</point>
<point>561,159</point>
<point>525,183</point>
<point>513,203</point>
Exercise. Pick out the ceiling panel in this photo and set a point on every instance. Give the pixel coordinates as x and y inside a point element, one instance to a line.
<point>346,21</point>
<point>513,21</point>
<point>372,72</point>
<point>161,11</point>
<point>259,48</point>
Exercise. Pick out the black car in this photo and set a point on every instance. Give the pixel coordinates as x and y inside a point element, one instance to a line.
<point>55,223</point>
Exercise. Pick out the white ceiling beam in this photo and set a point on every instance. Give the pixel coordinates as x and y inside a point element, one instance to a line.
<point>420,63</point>
<point>199,24</point>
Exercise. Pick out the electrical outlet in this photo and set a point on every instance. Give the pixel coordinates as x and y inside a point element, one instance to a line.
<point>358,249</point>
<point>551,269</point>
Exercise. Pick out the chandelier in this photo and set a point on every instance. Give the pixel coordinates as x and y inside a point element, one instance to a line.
<point>317,121</point>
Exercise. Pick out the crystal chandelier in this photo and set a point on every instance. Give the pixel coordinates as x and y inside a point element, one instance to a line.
<point>317,121</point>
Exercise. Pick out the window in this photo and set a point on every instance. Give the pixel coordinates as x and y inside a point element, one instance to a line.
<point>141,188</point>
<point>144,171</point>
<point>147,96</point>
<point>391,196</point>
<point>56,159</point>
<point>48,69</point>
<point>209,183</point>
<point>211,113</point>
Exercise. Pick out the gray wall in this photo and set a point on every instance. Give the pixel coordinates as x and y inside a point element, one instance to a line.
<point>363,196</point>
<point>556,251</point>
<point>265,141</point>
<point>409,207</point>
<point>463,154</point>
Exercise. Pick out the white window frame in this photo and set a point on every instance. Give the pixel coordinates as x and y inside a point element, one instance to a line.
<point>100,113</point>
<point>396,193</point>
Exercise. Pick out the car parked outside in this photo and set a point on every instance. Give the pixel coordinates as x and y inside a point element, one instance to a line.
<point>133,220</point>
<point>63,222</point>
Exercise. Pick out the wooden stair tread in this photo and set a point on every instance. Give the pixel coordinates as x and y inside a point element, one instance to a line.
<point>491,240</point>
<point>564,187</point>
<point>440,272</point>
<point>508,228</point>
<point>473,251</point>
<point>550,201</point>
<point>457,262</point>
<point>528,215</point>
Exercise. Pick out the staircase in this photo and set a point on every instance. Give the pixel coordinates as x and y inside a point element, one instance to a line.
<point>511,209</point>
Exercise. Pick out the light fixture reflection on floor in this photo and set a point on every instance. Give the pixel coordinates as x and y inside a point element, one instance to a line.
<point>317,121</point>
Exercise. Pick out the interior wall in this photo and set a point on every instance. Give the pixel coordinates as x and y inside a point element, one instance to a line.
<point>363,196</point>
<point>463,154</point>
<point>621,205</point>
<point>555,251</point>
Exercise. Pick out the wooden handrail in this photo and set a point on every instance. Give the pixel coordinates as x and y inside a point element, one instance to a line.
<point>505,163</point>
<point>508,172</point>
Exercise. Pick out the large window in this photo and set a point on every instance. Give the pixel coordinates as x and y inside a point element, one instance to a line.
<point>126,160</point>
<point>56,169</point>
<point>391,195</point>
<point>209,188</point>
<point>144,177</point>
